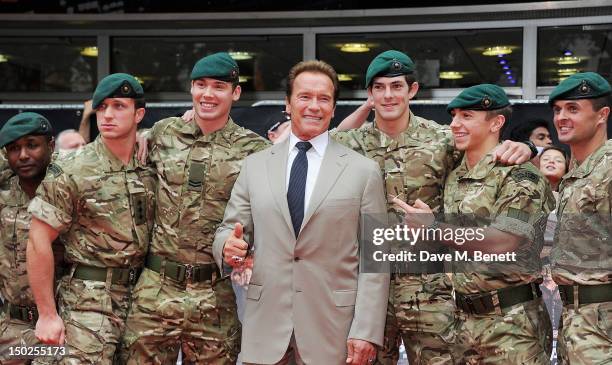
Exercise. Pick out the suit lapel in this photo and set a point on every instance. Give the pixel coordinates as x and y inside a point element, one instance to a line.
<point>331,167</point>
<point>277,175</point>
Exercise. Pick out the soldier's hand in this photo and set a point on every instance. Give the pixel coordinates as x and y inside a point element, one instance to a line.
<point>417,215</point>
<point>360,352</point>
<point>143,148</point>
<point>50,330</point>
<point>235,247</point>
<point>512,153</point>
<point>188,115</point>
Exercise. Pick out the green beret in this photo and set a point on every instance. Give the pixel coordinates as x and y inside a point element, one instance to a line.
<point>24,124</point>
<point>480,97</point>
<point>219,66</point>
<point>117,85</point>
<point>389,64</point>
<point>584,85</point>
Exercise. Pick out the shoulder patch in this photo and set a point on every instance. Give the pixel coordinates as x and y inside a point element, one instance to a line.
<point>54,169</point>
<point>519,175</point>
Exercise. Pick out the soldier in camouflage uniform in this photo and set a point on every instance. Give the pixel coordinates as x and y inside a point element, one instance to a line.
<point>581,256</point>
<point>502,318</point>
<point>5,171</point>
<point>28,141</point>
<point>101,201</point>
<point>181,301</point>
<point>415,155</point>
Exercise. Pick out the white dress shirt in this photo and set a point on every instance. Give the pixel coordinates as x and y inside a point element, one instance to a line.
<point>315,157</point>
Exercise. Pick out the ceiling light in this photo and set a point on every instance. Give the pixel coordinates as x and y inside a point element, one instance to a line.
<point>503,62</point>
<point>3,58</point>
<point>139,79</point>
<point>354,47</point>
<point>508,72</point>
<point>567,52</point>
<point>506,67</point>
<point>241,55</point>
<point>567,71</point>
<point>497,51</point>
<point>90,51</point>
<point>345,77</point>
<point>244,78</point>
<point>568,60</point>
<point>451,75</point>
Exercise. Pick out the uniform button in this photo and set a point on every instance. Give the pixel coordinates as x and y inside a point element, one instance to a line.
<point>296,259</point>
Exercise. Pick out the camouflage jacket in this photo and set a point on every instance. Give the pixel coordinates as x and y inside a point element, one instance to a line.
<point>582,251</point>
<point>196,173</point>
<point>513,199</point>
<point>414,165</point>
<point>14,227</point>
<point>5,171</point>
<point>102,208</point>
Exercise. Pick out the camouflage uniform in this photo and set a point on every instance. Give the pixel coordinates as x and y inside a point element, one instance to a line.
<point>414,166</point>
<point>5,171</point>
<point>513,199</point>
<point>196,174</point>
<point>582,255</point>
<point>104,213</point>
<point>14,227</point>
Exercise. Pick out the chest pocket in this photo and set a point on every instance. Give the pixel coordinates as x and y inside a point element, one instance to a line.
<point>141,189</point>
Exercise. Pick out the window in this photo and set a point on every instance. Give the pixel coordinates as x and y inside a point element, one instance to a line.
<point>444,59</point>
<point>563,51</point>
<point>164,64</point>
<point>48,64</point>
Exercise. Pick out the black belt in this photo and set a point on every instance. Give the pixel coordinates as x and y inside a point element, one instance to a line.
<point>120,275</point>
<point>482,303</point>
<point>22,313</point>
<point>587,294</point>
<point>180,272</point>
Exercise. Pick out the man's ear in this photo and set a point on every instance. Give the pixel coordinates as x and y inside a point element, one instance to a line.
<point>604,115</point>
<point>236,93</point>
<point>497,123</point>
<point>139,115</point>
<point>414,88</point>
<point>287,107</point>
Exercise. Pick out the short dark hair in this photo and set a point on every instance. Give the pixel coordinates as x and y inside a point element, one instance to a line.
<point>506,112</point>
<point>523,131</point>
<point>410,79</point>
<point>139,103</point>
<point>601,102</point>
<point>315,66</point>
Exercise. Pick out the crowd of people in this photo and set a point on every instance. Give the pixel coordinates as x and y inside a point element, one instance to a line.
<point>202,237</point>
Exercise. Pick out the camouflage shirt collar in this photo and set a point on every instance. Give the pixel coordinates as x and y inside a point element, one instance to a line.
<point>222,136</point>
<point>587,166</point>
<point>111,163</point>
<point>403,139</point>
<point>480,171</point>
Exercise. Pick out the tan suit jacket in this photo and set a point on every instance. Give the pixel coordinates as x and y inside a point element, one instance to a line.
<point>310,286</point>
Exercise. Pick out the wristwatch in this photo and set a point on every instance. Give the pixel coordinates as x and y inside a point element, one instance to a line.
<point>532,147</point>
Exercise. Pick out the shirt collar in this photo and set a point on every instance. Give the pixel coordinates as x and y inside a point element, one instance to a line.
<point>319,143</point>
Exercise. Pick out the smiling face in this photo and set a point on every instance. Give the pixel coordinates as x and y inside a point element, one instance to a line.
<point>552,164</point>
<point>311,104</point>
<point>576,121</point>
<point>472,129</point>
<point>118,118</point>
<point>391,96</point>
<point>29,156</point>
<point>213,99</point>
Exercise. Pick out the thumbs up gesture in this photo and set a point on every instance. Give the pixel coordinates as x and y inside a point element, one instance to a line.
<point>235,248</point>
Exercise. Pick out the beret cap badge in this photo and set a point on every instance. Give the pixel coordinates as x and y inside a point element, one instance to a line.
<point>125,88</point>
<point>486,102</point>
<point>396,65</point>
<point>584,87</point>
